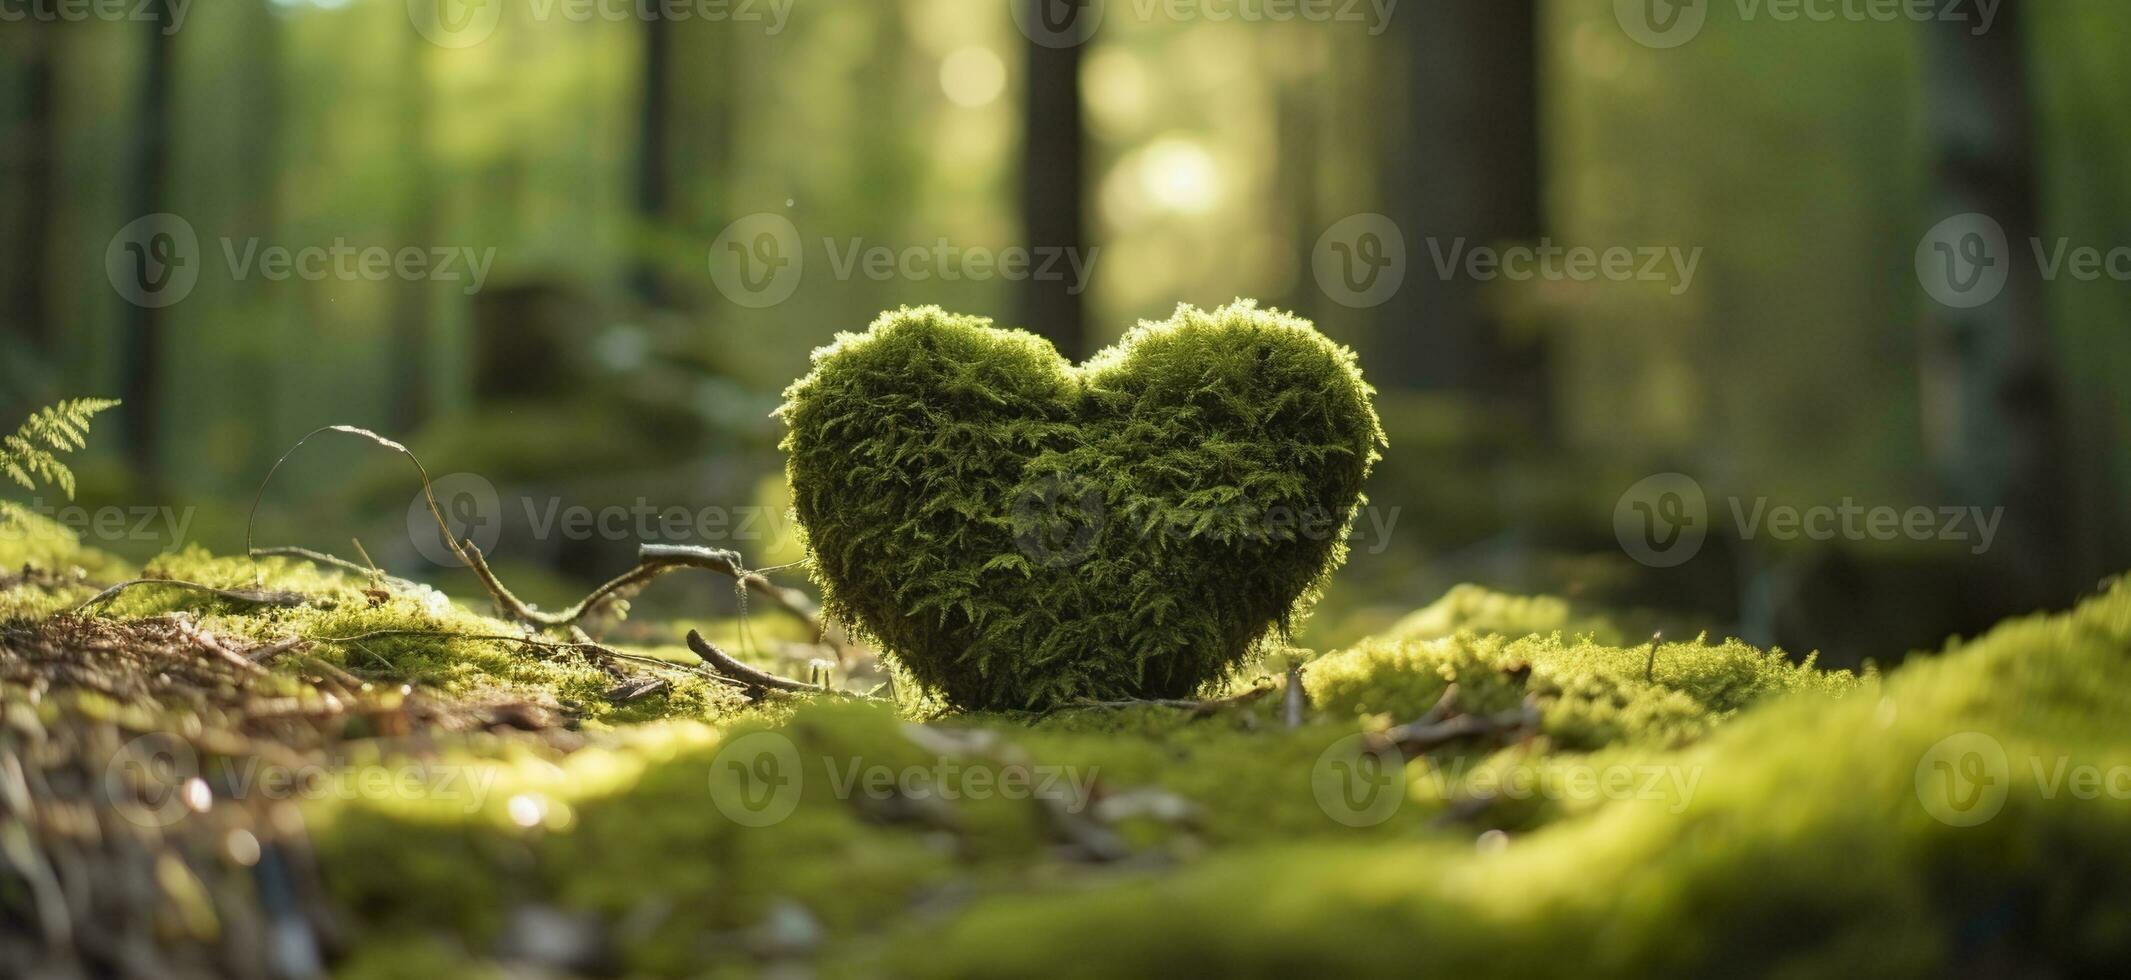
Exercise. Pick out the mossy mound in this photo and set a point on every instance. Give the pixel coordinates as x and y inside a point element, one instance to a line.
<point>1788,829</point>
<point>1022,533</point>
<point>1473,609</point>
<point>1594,694</point>
<point>1824,838</point>
<point>44,568</point>
<point>1965,812</point>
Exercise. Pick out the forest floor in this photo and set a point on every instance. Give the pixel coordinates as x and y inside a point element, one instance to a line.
<point>299,770</point>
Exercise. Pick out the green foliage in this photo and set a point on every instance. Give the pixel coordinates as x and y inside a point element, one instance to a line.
<point>1471,608</point>
<point>1020,532</point>
<point>1594,694</point>
<point>27,456</point>
<point>1807,849</point>
<point>57,571</point>
<point>1802,843</point>
<point>417,637</point>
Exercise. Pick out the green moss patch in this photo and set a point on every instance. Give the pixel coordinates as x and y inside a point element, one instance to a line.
<point>1823,837</point>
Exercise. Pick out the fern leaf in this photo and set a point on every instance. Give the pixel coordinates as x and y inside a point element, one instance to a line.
<point>28,456</point>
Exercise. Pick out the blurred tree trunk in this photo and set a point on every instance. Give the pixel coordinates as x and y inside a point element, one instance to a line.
<point>411,320</point>
<point>34,146</point>
<point>1990,379</point>
<point>654,178</point>
<point>141,341</point>
<point>1471,180</point>
<point>1053,177</point>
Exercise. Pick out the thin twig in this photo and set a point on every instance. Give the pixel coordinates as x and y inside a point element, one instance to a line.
<point>755,680</point>
<point>283,600</point>
<point>1441,725</point>
<point>265,652</point>
<point>207,641</point>
<point>653,560</point>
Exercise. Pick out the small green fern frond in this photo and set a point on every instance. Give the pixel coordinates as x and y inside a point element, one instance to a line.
<point>29,456</point>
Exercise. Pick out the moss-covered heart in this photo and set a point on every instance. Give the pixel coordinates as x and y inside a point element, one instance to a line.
<point>1019,532</point>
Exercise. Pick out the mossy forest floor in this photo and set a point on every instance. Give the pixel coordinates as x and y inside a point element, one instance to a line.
<point>318,772</point>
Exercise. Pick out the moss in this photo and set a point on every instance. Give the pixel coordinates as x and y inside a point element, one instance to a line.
<point>1019,532</point>
<point>417,636</point>
<point>634,832</point>
<point>44,567</point>
<point>1809,847</point>
<point>1473,609</point>
<point>1788,837</point>
<point>1593,694</point>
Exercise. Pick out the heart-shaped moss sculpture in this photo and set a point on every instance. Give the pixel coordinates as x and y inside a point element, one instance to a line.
<point>1019,532</point>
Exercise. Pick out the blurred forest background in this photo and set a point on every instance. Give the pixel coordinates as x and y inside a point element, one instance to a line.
<point>1196,158</point>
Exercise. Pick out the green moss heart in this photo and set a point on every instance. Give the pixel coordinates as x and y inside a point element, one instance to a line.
<point>1020,533</point>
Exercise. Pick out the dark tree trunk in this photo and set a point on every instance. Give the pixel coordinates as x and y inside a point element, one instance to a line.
<point>654,179</point>
<point>411,322</point>
<point>1471,171</point>
<point>1053,178</point>
<point>1990,376</point>
<point>36,146</point>
<point>141,340</point>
